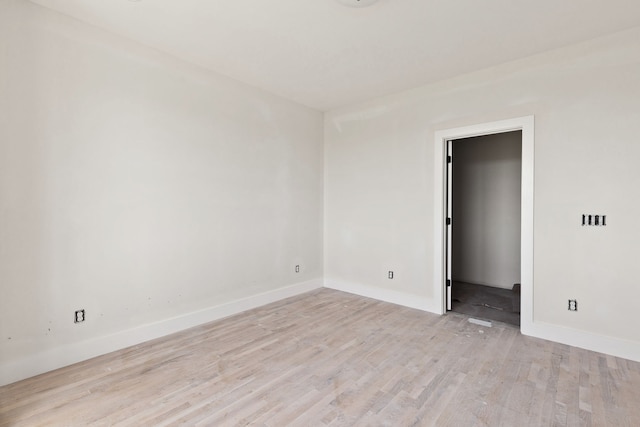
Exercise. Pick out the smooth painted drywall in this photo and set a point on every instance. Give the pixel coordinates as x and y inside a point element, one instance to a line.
<point>486,209</point>
<point>140,188</point>
<point>379,184</point>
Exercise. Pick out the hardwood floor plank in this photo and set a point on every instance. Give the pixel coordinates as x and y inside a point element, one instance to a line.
<point>328,358</point>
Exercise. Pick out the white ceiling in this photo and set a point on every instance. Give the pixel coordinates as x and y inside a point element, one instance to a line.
<point>325,55</point>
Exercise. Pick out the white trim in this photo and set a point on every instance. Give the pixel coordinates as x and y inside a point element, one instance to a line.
<point>394,297</point>
<point>573,337</point>
<point>600,343</point>
<point>59,357</point>
<point>526,124</point>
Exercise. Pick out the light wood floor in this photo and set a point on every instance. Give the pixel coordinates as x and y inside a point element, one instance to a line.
<point>331,358</point>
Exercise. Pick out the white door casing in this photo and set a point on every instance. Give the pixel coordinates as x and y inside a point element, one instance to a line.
<point>441,207</point>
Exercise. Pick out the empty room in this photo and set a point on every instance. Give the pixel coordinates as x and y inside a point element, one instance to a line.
<point>313,213</point>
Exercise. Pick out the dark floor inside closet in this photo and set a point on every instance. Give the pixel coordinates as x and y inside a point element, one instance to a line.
<point>486,302</point>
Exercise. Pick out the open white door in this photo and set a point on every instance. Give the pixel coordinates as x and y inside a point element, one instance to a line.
<point>449,166</point>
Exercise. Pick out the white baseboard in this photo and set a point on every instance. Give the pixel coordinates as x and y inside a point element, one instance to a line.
<point>387,295</point>
<point>51,359</point>
<point>59,357</point>
<point>603,344</point>
<point>589,341</point>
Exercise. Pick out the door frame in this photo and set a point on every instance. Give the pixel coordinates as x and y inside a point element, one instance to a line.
<point>526,125</point>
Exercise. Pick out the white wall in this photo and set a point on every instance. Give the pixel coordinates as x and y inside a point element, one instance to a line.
<point>156,195</point>
<point>379,186</point>
<point>149,192</point>
<point>486,209</point>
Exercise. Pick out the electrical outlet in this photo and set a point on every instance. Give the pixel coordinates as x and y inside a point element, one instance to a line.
<point>79,317</point>
<point>573,305</point>
<point>297,269</point>
<point>390,274</point>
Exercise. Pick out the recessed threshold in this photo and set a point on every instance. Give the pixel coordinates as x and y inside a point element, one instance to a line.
<point>479,322</point>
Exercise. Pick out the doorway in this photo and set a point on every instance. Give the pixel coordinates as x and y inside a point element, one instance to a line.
<point>442,253</point>
<point>484,190</point>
